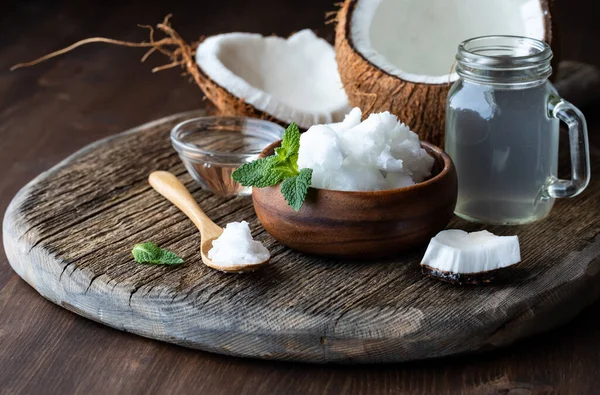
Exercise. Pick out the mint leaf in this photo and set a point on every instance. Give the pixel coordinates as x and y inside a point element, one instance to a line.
<point>169,258</point>
<point>259,173</point>
<point>287,153</point>
<point>294,189</point>
<point>145,252</point>
<point>151,253</point>
<point>290,145</point>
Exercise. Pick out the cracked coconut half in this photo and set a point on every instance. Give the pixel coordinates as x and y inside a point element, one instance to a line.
<point>292,80</point>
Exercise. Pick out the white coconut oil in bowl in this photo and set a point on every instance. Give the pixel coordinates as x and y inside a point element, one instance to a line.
<point>211,148</point>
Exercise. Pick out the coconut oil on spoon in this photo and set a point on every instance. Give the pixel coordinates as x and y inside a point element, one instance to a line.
<point>235,252</point>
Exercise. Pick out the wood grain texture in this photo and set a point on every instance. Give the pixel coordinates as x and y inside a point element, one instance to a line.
<point>362,225</point>
<point>69,233</point>
<point>47,113</point>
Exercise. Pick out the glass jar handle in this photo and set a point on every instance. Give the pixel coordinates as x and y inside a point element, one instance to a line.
<point>578,146</point>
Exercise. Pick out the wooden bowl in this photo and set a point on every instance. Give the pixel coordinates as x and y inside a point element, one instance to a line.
<point>362,225</point>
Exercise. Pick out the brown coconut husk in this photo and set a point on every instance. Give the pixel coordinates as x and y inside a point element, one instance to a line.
<point>181,55</point>
<point>421,106</point>
<point>486,277</point>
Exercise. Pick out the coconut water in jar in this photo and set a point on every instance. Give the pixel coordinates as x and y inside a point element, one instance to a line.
<point>502,132</point>
<point>504,151</point>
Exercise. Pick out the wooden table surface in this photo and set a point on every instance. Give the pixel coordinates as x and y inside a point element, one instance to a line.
<point>53,109</point>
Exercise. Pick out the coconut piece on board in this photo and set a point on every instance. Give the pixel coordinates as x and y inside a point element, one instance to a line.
<point>460,257</point>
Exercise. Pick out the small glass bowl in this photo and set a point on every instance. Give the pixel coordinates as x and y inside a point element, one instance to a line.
<point>211,148</point>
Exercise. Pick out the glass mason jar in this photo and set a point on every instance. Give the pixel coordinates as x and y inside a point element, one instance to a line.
<point>502,131</point>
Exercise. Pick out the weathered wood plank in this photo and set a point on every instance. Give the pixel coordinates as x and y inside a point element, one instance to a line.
<point>69,233</point>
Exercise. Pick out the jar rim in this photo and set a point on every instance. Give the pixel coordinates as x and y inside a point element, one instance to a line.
<point>504,59</point>
<point>537,50</point>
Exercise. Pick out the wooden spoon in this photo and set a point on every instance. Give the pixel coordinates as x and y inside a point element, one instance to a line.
<point>174,191</point>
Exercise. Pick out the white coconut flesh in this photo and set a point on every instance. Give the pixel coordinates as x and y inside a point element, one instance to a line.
<point>416,40</point>
<point>456,251</point>
<point>294,79</point>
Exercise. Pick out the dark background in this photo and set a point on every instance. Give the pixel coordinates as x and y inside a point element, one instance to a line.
<point>50,110</point>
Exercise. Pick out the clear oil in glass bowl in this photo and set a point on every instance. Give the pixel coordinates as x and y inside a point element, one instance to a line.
<point>212,148</point>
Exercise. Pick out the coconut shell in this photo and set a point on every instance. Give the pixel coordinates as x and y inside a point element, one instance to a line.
<point>421,106</point>
<point>479,278</point>
<point>226,103</point>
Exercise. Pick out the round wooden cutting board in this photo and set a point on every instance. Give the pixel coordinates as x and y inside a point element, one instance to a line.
<point>69,234</point>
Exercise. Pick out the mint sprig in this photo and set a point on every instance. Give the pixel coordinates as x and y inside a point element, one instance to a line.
<point>151,253</point>
<point>282,166</point>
